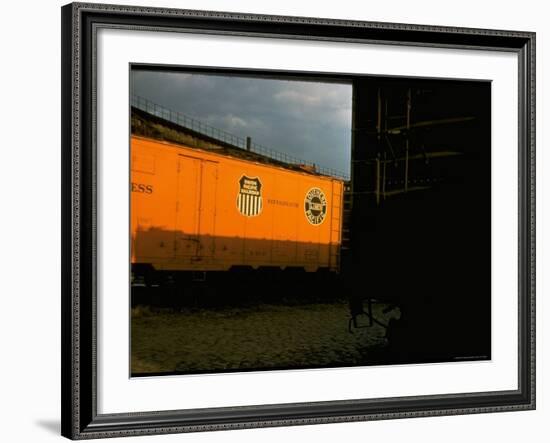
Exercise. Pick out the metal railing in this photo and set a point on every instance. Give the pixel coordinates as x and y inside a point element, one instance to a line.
<point>195,125</point>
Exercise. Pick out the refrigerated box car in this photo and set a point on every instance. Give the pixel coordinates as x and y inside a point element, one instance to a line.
<point>199,210</point>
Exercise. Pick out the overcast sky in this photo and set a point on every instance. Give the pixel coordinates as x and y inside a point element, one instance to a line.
<point>308,120</point>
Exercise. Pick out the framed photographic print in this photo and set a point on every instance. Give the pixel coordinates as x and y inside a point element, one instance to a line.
<point>274,221</point>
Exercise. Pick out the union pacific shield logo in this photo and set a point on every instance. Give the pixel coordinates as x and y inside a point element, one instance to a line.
<point>249,200</point>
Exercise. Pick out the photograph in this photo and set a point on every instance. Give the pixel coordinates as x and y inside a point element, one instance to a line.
<point>280,220</point>
<point>275,221</point>
<point>285,220</point>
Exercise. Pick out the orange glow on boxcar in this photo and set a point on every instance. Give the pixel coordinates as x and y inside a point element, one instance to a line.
<point>194,209</point>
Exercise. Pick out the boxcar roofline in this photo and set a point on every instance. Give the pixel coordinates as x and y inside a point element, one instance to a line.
<point>240,159</point>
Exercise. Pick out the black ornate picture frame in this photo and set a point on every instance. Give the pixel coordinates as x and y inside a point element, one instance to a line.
<point>80,209</point>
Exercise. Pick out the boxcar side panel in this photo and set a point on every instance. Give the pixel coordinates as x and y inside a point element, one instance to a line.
<point>217,212</point>
<point>153,191</point>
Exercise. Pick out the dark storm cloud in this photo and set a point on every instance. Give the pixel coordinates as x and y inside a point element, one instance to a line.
<point>308,120</point>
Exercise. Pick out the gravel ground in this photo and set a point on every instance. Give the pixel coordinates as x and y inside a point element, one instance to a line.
<point>252,338</point>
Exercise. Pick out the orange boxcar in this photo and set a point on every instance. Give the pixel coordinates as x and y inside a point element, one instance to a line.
<point>197,210</point>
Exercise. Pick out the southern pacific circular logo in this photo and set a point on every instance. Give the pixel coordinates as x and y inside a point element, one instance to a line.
<point>315,206</point>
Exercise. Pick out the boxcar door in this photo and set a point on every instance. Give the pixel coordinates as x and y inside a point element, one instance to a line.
<point>207,209</point>
<point>195,215</point>
<point>187,207</point>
